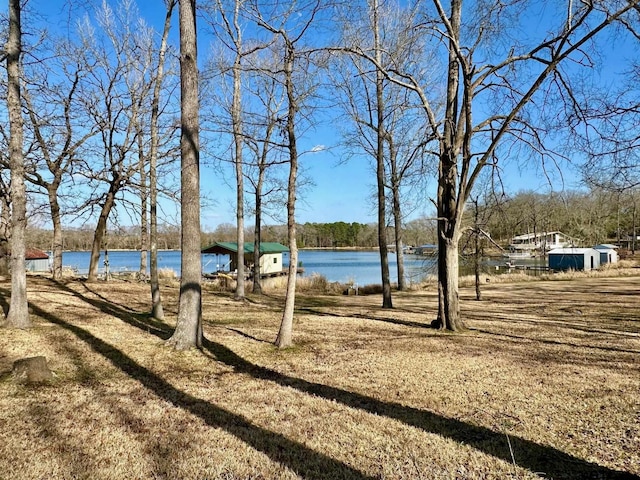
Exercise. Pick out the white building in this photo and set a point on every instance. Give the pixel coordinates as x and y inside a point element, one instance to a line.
<point>608,253</point>
<point>529,244</point>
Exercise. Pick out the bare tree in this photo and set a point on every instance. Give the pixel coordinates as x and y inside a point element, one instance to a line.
<point>188,332</point>
<point>232,31</point>
<point>500,92</point>
<point>245,112</point>
<point>611,144</point>
<point>18,315</point>
<point>144,201</point>
<point>58,123</point>
<point>118,63</point>
<point>366,105</point>
<point>483,206</point>
<point>290,23</point>
<point>238,143</point>
<point>385,124</point>
<point>267,154</point>
<point>380,164</point>
<point>156,300</point>
<point>285,334</point>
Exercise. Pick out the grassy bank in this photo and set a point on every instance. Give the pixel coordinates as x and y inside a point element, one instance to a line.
<point>544,385</point>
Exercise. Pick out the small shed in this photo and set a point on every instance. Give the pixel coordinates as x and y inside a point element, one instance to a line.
<point>270,255</point>
<point>574,259</point>
<point>608,253</point>
<point>36,260</point>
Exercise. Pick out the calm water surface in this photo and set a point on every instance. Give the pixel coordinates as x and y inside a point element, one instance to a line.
<point>335,265</point>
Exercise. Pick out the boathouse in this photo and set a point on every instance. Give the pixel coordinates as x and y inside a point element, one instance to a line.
<point>36,260</point>
<point>270,256</point>
<point>574,259</point>
<point>608,253</point>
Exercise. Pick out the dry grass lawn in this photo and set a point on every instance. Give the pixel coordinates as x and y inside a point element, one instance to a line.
<point>545,384</point>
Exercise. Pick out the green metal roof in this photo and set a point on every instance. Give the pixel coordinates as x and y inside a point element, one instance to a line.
<point>226,248</point>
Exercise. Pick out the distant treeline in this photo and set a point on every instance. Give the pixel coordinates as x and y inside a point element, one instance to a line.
<point>332,235</point>
<point>309,235</point>
<point>591,217</point>
<point>337,234</point>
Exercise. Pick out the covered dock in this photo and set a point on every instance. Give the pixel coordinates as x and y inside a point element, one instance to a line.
<point>270,258</point>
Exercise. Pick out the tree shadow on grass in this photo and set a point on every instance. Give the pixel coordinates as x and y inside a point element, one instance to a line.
<point>246,335</point>
<point>394,321</point>
<point>520,338</point>
<point>302,460</point>
<point>541,459</point>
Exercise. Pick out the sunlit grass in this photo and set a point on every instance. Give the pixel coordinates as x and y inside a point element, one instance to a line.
<point>549,369</point>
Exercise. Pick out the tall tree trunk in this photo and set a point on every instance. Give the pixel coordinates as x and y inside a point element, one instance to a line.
<point>257,234</point>
<point>56,220</point>
<point>18,316</point>
<point>380,170</point>
<point>397,217</point>
<point>477,253</point>
<point>188,332</point>
<point>156,299</point>
<point>144,196</point>
<point>285,335</point>
<point>262,168</point>
<point>236,114</point>
<point>477,262</point>
<point>448,196</point>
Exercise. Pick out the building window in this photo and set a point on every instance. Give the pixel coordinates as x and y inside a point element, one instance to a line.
<point>275,260</point>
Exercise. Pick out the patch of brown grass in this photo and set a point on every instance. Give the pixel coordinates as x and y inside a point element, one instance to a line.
<point>543,384</point>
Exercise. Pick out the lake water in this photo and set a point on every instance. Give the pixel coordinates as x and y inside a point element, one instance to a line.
<point>362,267</point>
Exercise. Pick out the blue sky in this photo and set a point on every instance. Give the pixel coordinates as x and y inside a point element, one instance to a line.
<point>341,191</point>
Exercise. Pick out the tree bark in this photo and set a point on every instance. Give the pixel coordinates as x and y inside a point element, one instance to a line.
<point>380,170</point>
<point>100,232</point>
<point>188,332</point>
<point>18,316</point>
<point>448,196</point>
<point>156,299</point>
<point>257,235</point>
<point>477,253</point>
<point>236,114</point>
<point>56,220</point>
<point>448,245</point>
<point>397,217</point>
<point>144,205</point>
<point>449,302</point>
<point>477,265</point>
<point>262,155</point>
<point>285,334</point>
